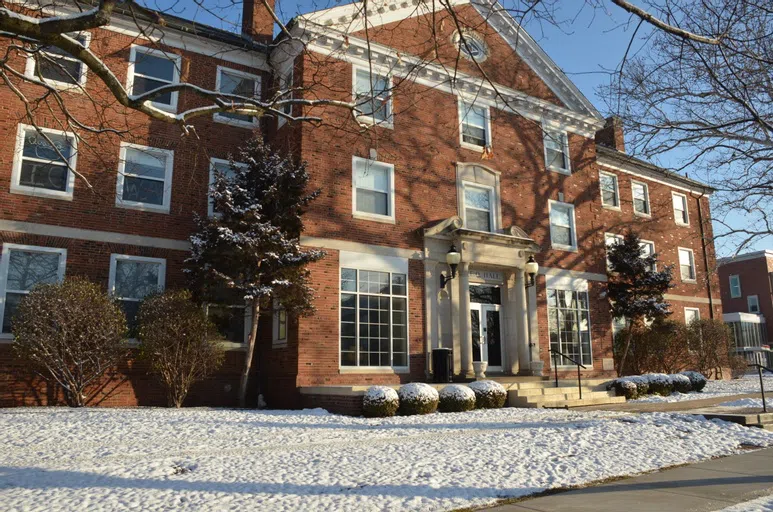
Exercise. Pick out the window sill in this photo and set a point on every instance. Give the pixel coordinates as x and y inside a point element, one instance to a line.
<point>235,122</point>
<point>690,281</point>
<point>473,147</point>
<point>643,215</point>
<point>142,207</point>
<point>566,172</point>
<point>370,121</point>
<point>566,248</point>
<point>373,370</point>
<point>682,224</point>
<point>6,339</point>
<point>374,217</point>
<point>613,208</point>
<point>41,192</point>
<point>63,86</point>
<point>279,344</point>
<point>231,345</point>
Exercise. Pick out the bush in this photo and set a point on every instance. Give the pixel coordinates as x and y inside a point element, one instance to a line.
<point>178,340</point>
<point>456,398</point>
<point>681,383</point>
<point>660,384</point>
<point>380,402</point>
<point>488,394</point>
<point>713,349</point>
<point>697,380</point>
<point>625,387</point>
<point>417,398</point>
<point>662,347</point>
<point>70,333</point>
<point>637,386</point>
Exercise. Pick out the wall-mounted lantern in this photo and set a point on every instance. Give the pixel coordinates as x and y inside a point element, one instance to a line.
<point>532,267</point>
<point>452,258</point>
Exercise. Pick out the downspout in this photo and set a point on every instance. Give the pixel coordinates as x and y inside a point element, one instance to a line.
<point>705,255</point>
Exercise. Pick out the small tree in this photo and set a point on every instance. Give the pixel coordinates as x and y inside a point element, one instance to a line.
<point>635,289</point>
<point>180,343</point>
<point>70,333</point>
<point>251,246</point>
<point>660,348</point>
<point>711,342</point>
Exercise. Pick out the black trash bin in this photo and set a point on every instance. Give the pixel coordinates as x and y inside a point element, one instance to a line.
<point>441,364</point>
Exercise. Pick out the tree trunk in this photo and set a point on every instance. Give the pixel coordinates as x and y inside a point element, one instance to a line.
<point>628,338</point>
<point>251,342</point>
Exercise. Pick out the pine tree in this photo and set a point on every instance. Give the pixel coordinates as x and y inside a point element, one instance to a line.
<point>635,289</point>
<point>249,249</point>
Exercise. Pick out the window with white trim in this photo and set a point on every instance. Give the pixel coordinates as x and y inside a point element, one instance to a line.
<point>232,321</point>
<point>150,69</point>
<point>374,318</point>
<point>680,209</point>
<point>223,167</point>
<point>569,325</point>
<point>144,178</point>
<point>22,267</point>
<point>280,326</point>
<point>691,315</point>
<point>610,240</point>
<point>686,264</point>
<point>735,286</point>
<point>373,96</point>
<point>286,85</point>
<point>239,83</point>
<point>474,125</point>
<point>753,302</point>
<point>641,198</point>
<point>556,144</point>
<point>648,249</point>
<point>58,68</point>
<point>562,230</point>
<point>610,196</point>
<point>132,278</point>
<point>373,189</point>
<point>43,169</point>
<point>478,208</point>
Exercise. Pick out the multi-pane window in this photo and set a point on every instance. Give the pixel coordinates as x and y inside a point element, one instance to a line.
<point>753,301</point>
<point>686,264</point>
<point>609,190</point>
<point>42,163</point>
<point>286,84</point>
<point>21,268</point>
<point>237,83</point>
<point>230,321</point>
<point>474,124</point>
<point>562,234</point>
<point>372,96</point>
<point>280,326</point>
<point>609,241</point>
<point>691,315</point>
<point>57,67</point>
<point>132,278</point>
<point>556,151</point>
<point>373,189</point>
<point>374,318</point>
<point>641,198</point>
<point>735,286</point>
<point>217,165</point>
<point>150,69</point>
<point>569,325</point>
<point>478,208</point>
<point>144,177</point>
<point>648,249</point>
<point>680,208</point>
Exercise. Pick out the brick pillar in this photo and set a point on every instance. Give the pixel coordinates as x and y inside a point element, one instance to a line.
<point>612,134</point>
<point>257,22</point>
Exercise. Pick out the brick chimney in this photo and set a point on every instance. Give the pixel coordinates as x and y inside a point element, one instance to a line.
<point>612,134</point>
<point>257,22</point>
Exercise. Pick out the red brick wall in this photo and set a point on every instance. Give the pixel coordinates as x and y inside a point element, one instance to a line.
<point>755,280</point>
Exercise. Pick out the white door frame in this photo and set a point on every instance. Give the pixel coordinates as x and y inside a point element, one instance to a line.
<point>482,309</point>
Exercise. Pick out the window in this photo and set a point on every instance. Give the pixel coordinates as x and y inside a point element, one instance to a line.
<point>735,287</point>
<point>40,168</point>
<point>569,325</point>
<point>374,318</point>
<point>641,198</point>
<point>680,209</point>
<point>230,81</point>
<point>556,151</point>
<point>691,315</point>
<point>372,94</point>
<point>286,84</point>
<point>618,324</point>
<point>610,196</point>
<point>562,233</point>
<point>648,249</point>
<point>144,178</point>
<point>686,264</point>
<point>754,304</point>
<point>609,241</point>
<point>373,190</point>
<point>471,45</point>
<point>478,212</point>
<point>232,321</point>
<point>474,123</point>
<point>280,326</point>
<point>21,268</point>
<point>150,69</point>
<point>223,167</point>
<point>58,68</point>
<point>132,278</point>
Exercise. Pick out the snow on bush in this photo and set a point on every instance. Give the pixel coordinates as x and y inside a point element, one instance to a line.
<point>625,387</point>
<point>697,380</point>
<point>456,398</point>
<point>681,383</point>
<point>417,398</point>
<point>488,394</point>
<point>635,386</point>
<point>380,402</point>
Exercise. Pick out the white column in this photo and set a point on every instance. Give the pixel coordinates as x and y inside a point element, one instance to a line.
<point>522,321</point>
<point>453,288</point>
<point>533,322</point>
<point>431,298</point>
<point>465,332</point>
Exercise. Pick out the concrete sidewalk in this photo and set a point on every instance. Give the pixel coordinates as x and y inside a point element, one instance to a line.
<point>684,405</point>
<point>706,486</point>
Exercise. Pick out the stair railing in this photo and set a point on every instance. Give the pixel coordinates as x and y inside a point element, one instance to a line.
<point>762,386</point>
<point>555,354</point>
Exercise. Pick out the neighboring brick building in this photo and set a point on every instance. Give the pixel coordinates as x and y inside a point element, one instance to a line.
<point>524,166</point>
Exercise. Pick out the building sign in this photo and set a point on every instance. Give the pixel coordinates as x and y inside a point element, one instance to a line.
<point>486,276</point>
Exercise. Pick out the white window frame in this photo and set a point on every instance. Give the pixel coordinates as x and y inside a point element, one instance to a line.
<point>169,168</point>
<point>617,191</point>
<point>692,264</point>
<point>567,157</point>
<point>646,187</point>
<point>286,81</point>
<point>212,163</point>
<point>230,345</point>
<point>5,259</point>
<point>461,109</point>
<point>680,222</point>
<point>756,302</point>
<point>697,312</point>
<point>642,243</point>
<point>390,219</point>
<point>176,60</point>
<point>562,284</point>
<point>115,258</point>
<point>276,340</point>
<point>18,156</point>
<point>218,116</point>
<point>607,237</point>
<point>573,227</point>
<point>738,282</point>
<point>491,197</point>
<point>366,119</point>
<point>29,70</point>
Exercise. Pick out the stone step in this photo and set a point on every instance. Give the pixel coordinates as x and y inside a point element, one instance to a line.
<point>595,384</point>
<point>516,400</point>
<point>569,402</point>
<point>552,391</point>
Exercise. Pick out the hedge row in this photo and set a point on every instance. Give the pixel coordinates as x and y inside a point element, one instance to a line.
<point>658,384</point>
<point>419,398</point>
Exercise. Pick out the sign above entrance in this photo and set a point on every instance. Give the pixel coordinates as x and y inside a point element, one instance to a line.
<point>488,276</point>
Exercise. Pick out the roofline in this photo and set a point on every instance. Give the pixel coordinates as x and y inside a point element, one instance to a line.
<point>765,253</point>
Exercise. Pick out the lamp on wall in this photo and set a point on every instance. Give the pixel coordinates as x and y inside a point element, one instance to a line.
<point>452,258</point>
<point>532,267</point>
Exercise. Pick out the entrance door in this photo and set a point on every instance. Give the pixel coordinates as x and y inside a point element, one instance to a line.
<point>486,334</point>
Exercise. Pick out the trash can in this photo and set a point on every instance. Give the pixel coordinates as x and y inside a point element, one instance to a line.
<point>441,364</point>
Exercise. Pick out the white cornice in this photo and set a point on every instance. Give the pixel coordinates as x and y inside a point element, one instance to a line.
<point>767,253</point>
<point>661,178</point>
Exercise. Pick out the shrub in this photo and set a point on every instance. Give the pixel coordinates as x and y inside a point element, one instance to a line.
<point>417,398</point>
<point>488,394</point>
<point>178,340</point>
<point>380,402</point>
<point>70,333</point>
<point>625,387</point>
<point>697,380</point>
<point>662,347</point>
<point>712,345</point>
<point>660,384</point>
<point>456,398</point>
<point>681,383</point>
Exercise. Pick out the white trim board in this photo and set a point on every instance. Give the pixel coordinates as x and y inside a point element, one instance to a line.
<point>574,274</point>
<point>644,176</point>
<point>344,245</point>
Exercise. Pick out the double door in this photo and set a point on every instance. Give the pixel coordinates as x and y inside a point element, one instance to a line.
<point>486,334</point>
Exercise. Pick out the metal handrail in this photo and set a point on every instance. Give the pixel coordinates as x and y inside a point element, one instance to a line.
<point>762,387</point>
<point>579,365</point>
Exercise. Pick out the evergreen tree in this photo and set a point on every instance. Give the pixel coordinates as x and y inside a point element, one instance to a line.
<point>635,289</point>
<point>249,250</point>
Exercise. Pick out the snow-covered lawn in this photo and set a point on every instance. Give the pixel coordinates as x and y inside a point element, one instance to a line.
<point>748,402</point>
<point>764,504</point>
<point>158,459</point>
<point>717,388</point>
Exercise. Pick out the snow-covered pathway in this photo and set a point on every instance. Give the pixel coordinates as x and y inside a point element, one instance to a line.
<point>201,459</point>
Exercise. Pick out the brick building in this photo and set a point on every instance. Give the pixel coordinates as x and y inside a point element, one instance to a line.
<point>516,166</point>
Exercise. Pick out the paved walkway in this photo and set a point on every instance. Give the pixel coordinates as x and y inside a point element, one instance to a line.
<point>684,405</point>
<point>702,487</point>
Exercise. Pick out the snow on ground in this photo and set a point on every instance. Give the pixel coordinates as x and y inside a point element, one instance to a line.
<point>717,388</point>
<point>764,504</point>
<point>748,402</point>
<point>62,459</point>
